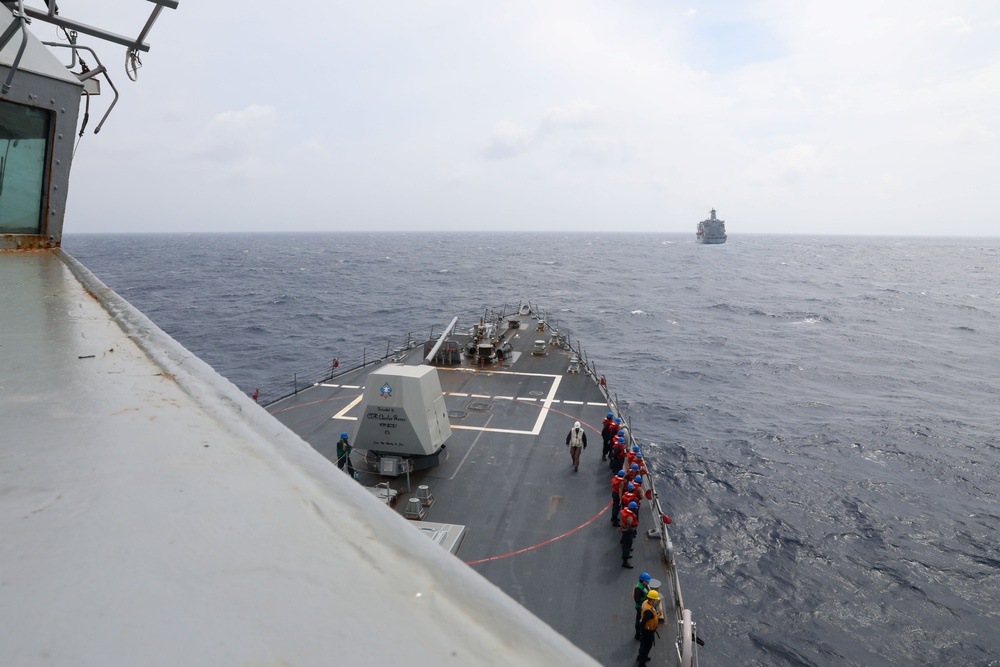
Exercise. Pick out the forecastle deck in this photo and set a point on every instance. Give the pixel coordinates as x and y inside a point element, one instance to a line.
<point>537,529</point>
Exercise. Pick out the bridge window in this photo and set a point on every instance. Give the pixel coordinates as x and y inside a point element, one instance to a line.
<point>24,138</point>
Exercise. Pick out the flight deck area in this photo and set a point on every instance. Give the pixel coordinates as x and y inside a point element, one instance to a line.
<point>530,523</point>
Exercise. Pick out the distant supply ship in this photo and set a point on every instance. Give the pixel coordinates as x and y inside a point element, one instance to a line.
<point>712,230</point>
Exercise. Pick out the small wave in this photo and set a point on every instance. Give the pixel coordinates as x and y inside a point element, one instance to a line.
<point>799,317</point>
<point>639,313</point>
<point>963,328</point>
<point>726,307</point>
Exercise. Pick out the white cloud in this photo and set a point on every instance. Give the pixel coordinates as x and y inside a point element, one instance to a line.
<point>575,115</point>
<point>601,149</point>
<point>231,136</point>
<point>957,25</point>
<point>508,140</point>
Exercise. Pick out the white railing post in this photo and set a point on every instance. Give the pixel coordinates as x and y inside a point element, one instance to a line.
<point>686,641</point>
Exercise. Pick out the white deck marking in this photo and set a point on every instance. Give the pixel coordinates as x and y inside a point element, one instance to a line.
<point>547,402</point>
<point>342,413</point>
<point>331,386</point>
<point>601,404</point>
<point>472,446</point>
<point>492,430</point>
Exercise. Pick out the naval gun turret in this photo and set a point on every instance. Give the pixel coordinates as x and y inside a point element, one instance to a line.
<point>405,423</point>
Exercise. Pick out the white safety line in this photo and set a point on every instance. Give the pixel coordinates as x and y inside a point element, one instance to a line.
<point>466,370</point>
<point>343,413</point>
<point>492,430</point>
<point>572,402</point>
<point>546,404</point>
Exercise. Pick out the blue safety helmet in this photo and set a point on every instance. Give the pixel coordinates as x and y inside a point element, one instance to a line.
<point>631,487</point>
<point>635,448</point>
<point>611,415</point>
<point>633,506</point>
<point>621,473</point>
<point>635,466</point>
<point>638,479</point>
<point>644,576</point>
<point>343,435</point>
<point>618,420</point>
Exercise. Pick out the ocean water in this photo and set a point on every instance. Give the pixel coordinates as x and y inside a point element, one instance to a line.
<point>822,412</point>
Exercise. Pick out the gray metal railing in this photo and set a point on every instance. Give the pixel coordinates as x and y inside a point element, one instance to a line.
<point>686,631</point>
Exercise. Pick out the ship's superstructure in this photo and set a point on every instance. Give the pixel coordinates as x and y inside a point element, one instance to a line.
<point>711,230</point>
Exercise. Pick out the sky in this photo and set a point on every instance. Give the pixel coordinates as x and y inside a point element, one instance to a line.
<point>858,117</point>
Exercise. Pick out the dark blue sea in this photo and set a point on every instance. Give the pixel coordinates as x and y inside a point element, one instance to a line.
<point>823,412</point>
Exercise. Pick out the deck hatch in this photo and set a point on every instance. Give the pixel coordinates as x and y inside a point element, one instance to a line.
<point>479,406</point>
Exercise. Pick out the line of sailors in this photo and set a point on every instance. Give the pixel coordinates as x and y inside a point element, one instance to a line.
<point>627,492</point>
<point>627,495</point>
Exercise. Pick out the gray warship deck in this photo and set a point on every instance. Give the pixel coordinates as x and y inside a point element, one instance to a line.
<point>535,528</point>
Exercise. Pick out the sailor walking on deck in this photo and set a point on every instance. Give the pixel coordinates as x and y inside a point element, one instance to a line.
<point>344,454</point>
<point>576,440</point>
<point>650,619</point>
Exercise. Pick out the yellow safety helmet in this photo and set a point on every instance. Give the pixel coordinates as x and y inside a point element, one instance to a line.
<point>653,595</point>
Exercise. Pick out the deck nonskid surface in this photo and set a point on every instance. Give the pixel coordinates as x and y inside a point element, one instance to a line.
<point>537,529</point>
